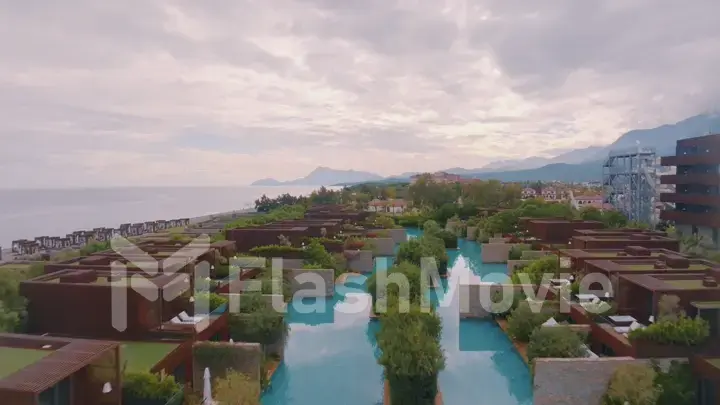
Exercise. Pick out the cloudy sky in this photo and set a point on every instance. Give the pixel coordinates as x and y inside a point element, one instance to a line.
<point>221,92</point>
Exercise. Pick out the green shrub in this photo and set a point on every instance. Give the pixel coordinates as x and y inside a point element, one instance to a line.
<point>324,241</point>
<point>677,384</point>
<point>684,331</point>
<point>632,384</point>
<point>385,222</point>
<point>498,308</point>
<point>279,214</point>
<point>431,227</point>
<point>555,342</point>
<point>340,264</point>
<point>450,240</point>
<point>515,252</point>
<point>312,266</point>
<point>414,250</point>
<point>411,220</point>
<point>149,386</point>
<point>410,251</point>
<point>215,300</point>
<point>316,254</point>
<point>410,271</point>
<point>523,321</point>
<point>274,250</point>
<point>473,221</point>
<point>534,271</point>
<point>221,271</point>
<point>257,321</point>
<point>93,247</point>
<point>411,355</point>
<point>435,247</point>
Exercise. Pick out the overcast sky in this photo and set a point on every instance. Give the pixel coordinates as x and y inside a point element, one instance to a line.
<point>218,92</point>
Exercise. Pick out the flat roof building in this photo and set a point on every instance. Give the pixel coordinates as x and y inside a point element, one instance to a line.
<point>697,188</point>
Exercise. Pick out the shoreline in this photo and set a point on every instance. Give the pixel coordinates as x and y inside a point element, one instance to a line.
<point>7,255</point>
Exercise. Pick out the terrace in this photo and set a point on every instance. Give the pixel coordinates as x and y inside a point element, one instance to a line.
<point>639,294</point>
<point>578,257</point>
<point>144,356</point>
<point>103,261</point>
<point>553,231</point>
<point>622,241</point>
<point>610,270</point>
<point>248,238</point>
<point>41,370</point>
<point>16,359</point>
<point>618,232</point>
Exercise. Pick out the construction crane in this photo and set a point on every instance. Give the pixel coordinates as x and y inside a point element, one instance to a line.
<point>631,184</point>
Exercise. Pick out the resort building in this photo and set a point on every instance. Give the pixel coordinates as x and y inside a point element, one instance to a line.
<point>392,206</point>
<point>639,294</point>
<point>528,193</point>
<point>40,370</point>
<point>575,259</point>
<point>437,177</point>
<point>595,201</point>
<point>550,194</point>
<point>649,241</point>
<point>557,230</point>
<point>697,188</point>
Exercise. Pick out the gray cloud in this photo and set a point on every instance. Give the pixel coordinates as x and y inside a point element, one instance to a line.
<point>186,92</point>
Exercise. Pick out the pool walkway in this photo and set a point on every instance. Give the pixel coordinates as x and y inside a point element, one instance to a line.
<point>330,358</point>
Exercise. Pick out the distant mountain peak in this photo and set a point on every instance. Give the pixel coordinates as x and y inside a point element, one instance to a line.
<point>324,176</point>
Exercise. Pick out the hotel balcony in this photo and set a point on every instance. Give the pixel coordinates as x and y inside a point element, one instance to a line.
<point>689,218</point>
<point>690,160</point>
<point>696,199</point>
<point>705,179</point>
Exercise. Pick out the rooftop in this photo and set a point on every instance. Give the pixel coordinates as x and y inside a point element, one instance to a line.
<point>648,267</point>
<point>706,304</point>
<point>35,363</point>
<point>714,361</point>
<point>673,281</point>
<point>108,278</point>
<point>16,359</point>
<point>630,252</point>
<point>143,356</point>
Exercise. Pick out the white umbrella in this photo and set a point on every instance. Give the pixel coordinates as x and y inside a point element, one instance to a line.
<point>207,388</point>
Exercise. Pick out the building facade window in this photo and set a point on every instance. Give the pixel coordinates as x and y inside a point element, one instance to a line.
<point>715,236</point>
<point>57,395</point>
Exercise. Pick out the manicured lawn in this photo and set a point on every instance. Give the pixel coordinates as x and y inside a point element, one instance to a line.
<point>13,360</point>
<point>142,356</point>
<point>706,304</point>
<point>14,267</point>
<point>714,361</point>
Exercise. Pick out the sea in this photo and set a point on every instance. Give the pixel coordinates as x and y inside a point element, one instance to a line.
<point>26,214</point>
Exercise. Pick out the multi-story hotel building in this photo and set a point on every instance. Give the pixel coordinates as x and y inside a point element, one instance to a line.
<point>697,188</point>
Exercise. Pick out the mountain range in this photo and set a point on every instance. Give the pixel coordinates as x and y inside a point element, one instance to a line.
<point>573,166</point>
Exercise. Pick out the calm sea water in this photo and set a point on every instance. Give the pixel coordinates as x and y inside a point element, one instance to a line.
<point>31,213</point>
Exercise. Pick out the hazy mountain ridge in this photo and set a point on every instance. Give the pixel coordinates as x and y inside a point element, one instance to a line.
<point>323,176</point>
<point>577,165</point>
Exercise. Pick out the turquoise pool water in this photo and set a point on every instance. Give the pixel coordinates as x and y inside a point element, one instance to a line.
<point>330,358</point>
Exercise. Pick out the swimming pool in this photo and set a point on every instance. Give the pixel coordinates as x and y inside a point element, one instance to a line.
<point>330,358</point>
